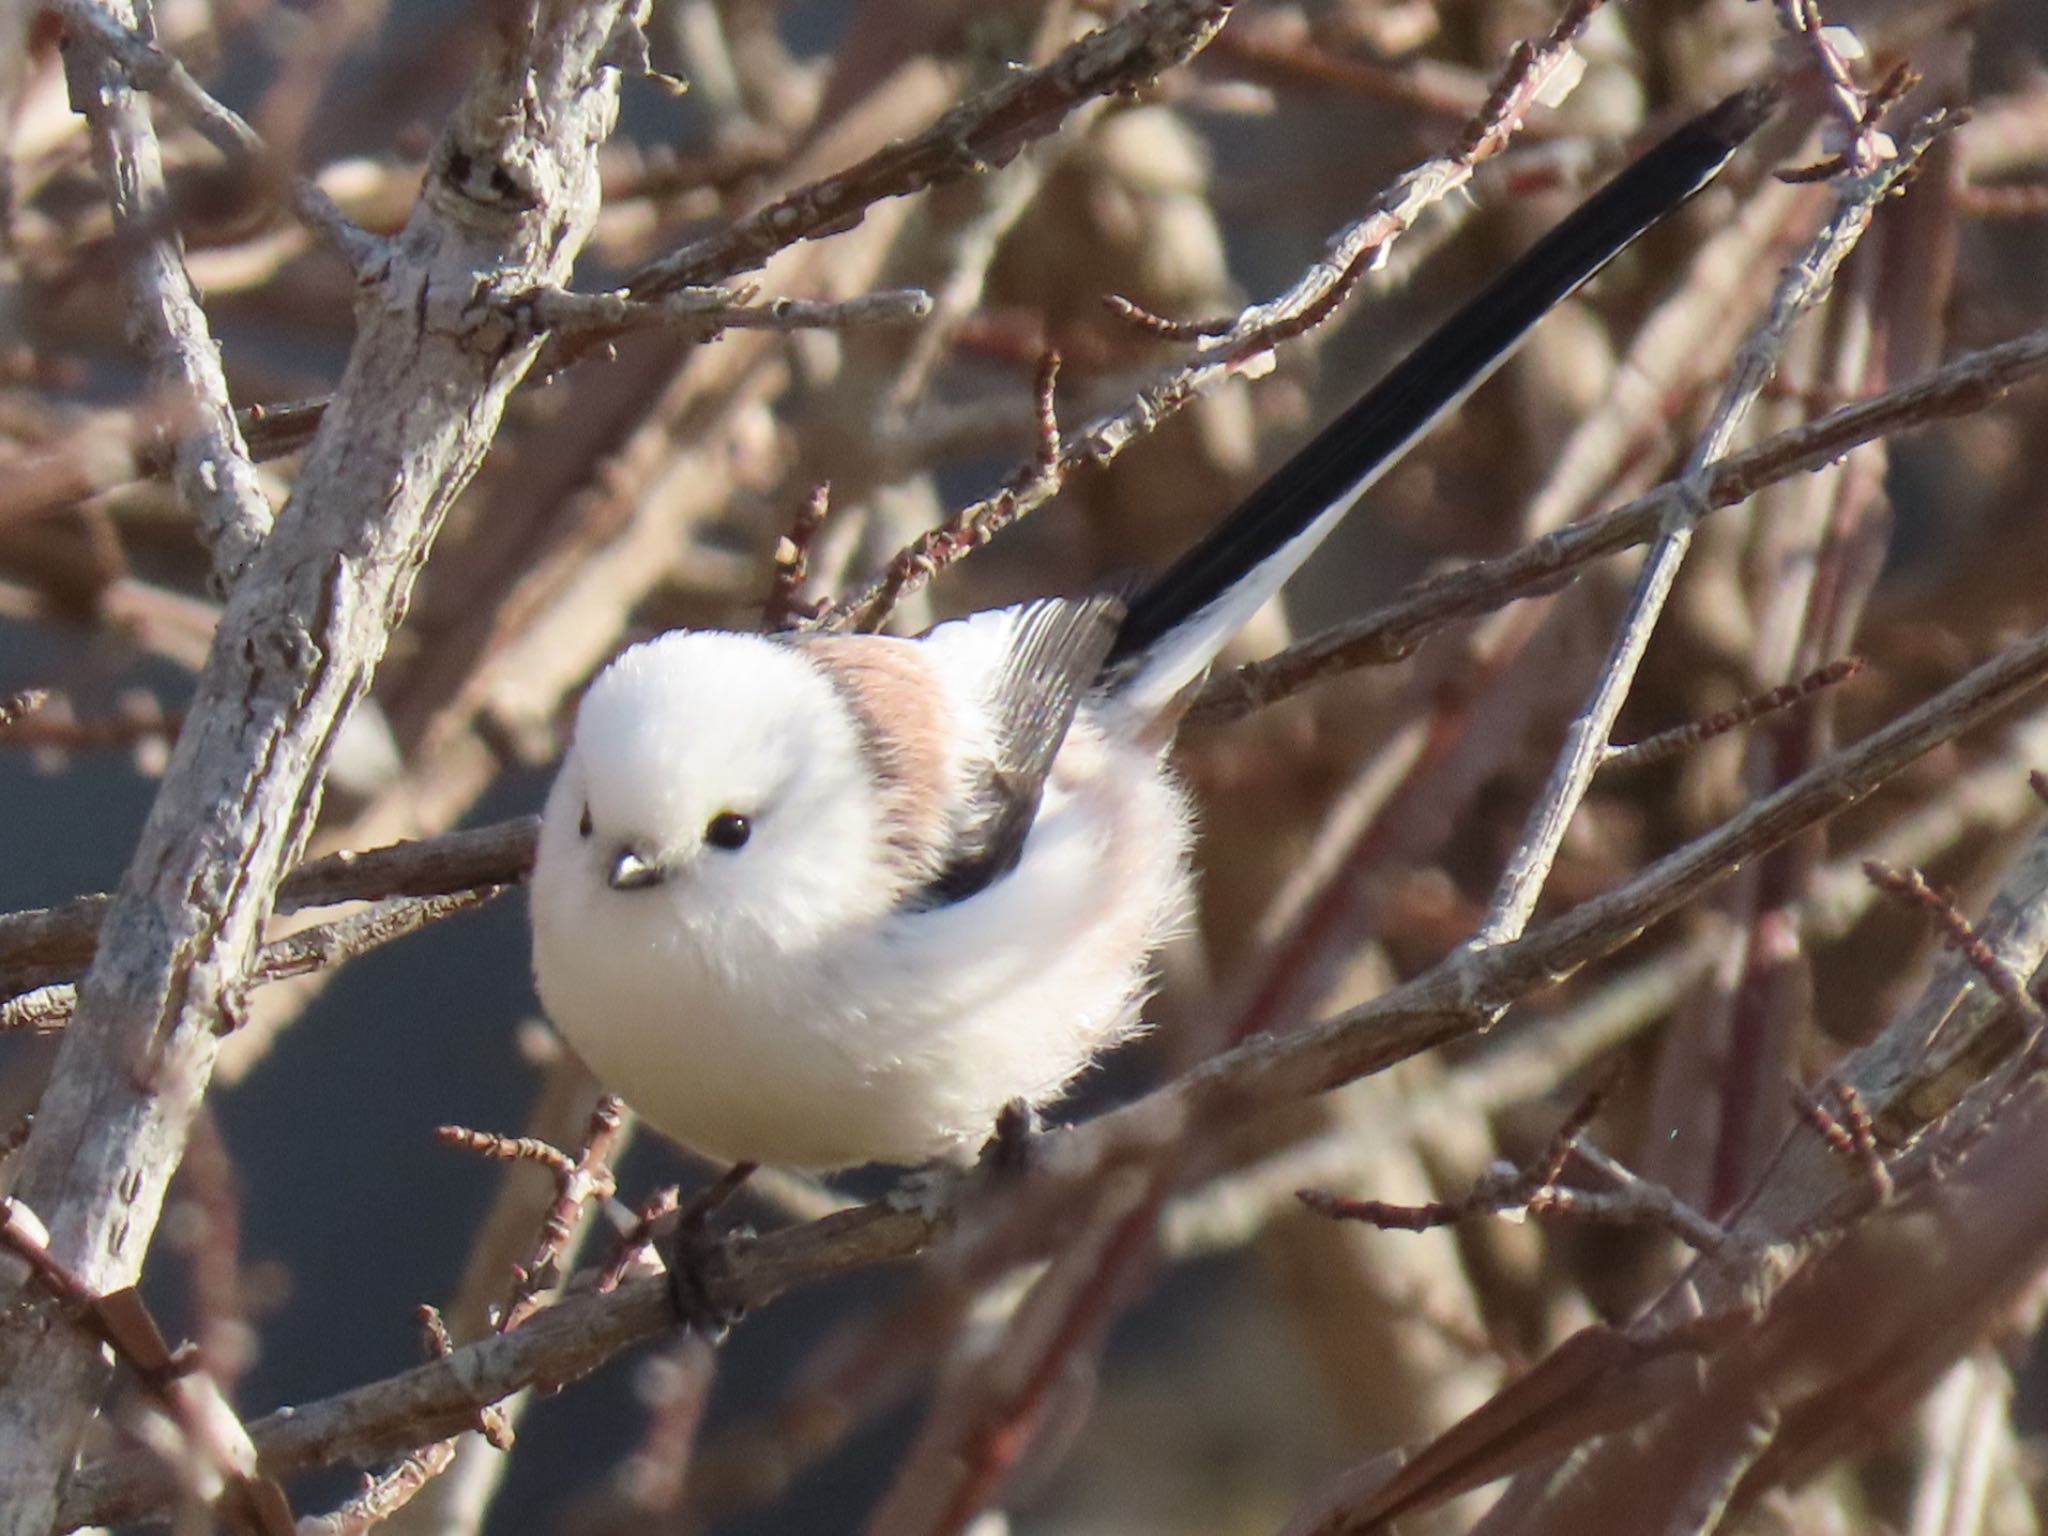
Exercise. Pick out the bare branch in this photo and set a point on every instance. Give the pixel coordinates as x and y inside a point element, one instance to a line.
<point>165,318</point>
<point>383,1496</point>
<point>1805,284</point>
<point>215,1453</point>
<point>703,313</point>
<point>1683,738</point>
<point>1632,1200</point>
<point>785,604</point>
<point>150,69</point>
<point>1395,630</point>
<point>986,131</point>
<point>1246,343</point>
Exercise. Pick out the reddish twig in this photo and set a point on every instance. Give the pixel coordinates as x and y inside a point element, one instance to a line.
<point>974,525</point>
<point>383,1496</point>
<point>491,1421</point>
<point>785,604</point>
<point>1138,317</point>
<point>1852,1135</point>
<point>579,1180</point>
<point>1504,1188</point>
<point>1910,888</point>
<point>1668,744</point>
<point>1858,144</point>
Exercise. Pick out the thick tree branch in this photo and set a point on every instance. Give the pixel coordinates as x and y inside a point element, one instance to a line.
<point>507,205</point>
<point>211,462</point>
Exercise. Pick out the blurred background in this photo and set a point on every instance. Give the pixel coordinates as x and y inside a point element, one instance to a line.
<point>1256,1352</point>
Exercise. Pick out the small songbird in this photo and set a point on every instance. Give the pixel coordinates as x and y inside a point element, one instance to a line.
<point>822,899</point>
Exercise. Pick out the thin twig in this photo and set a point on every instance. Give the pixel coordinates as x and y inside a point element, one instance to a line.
<point>319,948</point>
<point>55,941</point>
<point>1246,345</point>
<point>1633,1200</point>
<point>152,70</point>
<point>785,604</point>
<point>580,1180</point>
<point>1852,1135</point>
<point>1806,282</point>
<point>703,313</point>
<point>1910,887</point>
<point>511,194</point>
<point>972,526</point>
<point>61,937</point>
<point>1683,738</point>
<point>654,1216</point>
<point>384,1495</point>
<point>1503,1188</point>
<point>1396,629</point>
<point>980,133</point>
<point>1859,146</point>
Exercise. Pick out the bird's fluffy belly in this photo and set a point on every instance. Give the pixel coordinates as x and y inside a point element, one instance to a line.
<point>736,1072</point>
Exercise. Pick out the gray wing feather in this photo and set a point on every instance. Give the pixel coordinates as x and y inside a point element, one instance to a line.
<point>1057,655</point>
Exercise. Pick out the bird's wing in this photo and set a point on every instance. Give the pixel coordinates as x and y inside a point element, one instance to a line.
<point>1054,653</point>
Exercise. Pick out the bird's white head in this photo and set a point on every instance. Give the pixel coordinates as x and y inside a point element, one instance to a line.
<point>715,783</point>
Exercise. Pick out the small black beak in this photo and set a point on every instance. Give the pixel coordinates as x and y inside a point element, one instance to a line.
<point>629,871</point>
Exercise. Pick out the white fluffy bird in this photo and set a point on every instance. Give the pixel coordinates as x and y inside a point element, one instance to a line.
<point>820,899</point>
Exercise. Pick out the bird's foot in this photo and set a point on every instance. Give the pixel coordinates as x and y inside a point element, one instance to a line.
<point>699,1257</point>
<point>1008,1152</point>
<point>928,1191</point>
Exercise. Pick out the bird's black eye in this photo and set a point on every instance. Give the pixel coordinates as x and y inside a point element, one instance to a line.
<point>584,826</point>
<point>728,830</point>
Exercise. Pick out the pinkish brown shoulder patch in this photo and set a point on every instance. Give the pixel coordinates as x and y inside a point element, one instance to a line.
<point>906,733</point>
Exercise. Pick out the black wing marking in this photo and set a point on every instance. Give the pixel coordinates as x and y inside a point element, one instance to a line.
<point>1058,650</point>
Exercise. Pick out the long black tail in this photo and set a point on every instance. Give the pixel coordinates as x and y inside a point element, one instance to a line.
<point>1225,577</point>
